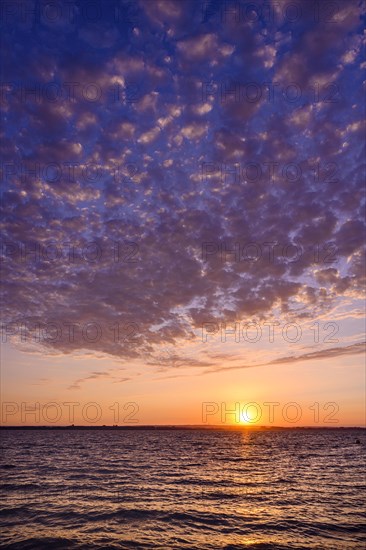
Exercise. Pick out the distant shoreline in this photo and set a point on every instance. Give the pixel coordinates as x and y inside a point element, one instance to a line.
<point>183,427</point>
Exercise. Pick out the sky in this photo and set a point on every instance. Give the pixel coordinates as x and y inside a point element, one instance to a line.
<point>183,212</point>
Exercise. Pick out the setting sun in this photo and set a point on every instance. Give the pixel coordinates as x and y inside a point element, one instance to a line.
<point>249,415</point>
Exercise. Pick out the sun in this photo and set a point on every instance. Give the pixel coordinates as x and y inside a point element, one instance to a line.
<point>249,416</point>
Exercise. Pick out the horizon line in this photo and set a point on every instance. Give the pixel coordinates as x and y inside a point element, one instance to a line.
<point>178,426</point>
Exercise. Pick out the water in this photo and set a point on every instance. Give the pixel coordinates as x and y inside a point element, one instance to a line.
<point>178,489</point>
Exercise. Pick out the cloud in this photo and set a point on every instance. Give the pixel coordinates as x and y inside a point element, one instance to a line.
<point>140,214</point>
<point>201,47</point>
<point>97,375</point>
<point>330,353</point>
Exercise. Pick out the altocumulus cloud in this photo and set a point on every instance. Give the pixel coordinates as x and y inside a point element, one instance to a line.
<point>168,154</point>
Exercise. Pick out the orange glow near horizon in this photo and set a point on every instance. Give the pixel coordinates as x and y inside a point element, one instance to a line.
<point>178,400</point>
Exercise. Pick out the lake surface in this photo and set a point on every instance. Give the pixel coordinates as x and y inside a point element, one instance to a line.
<point>180,489</point>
